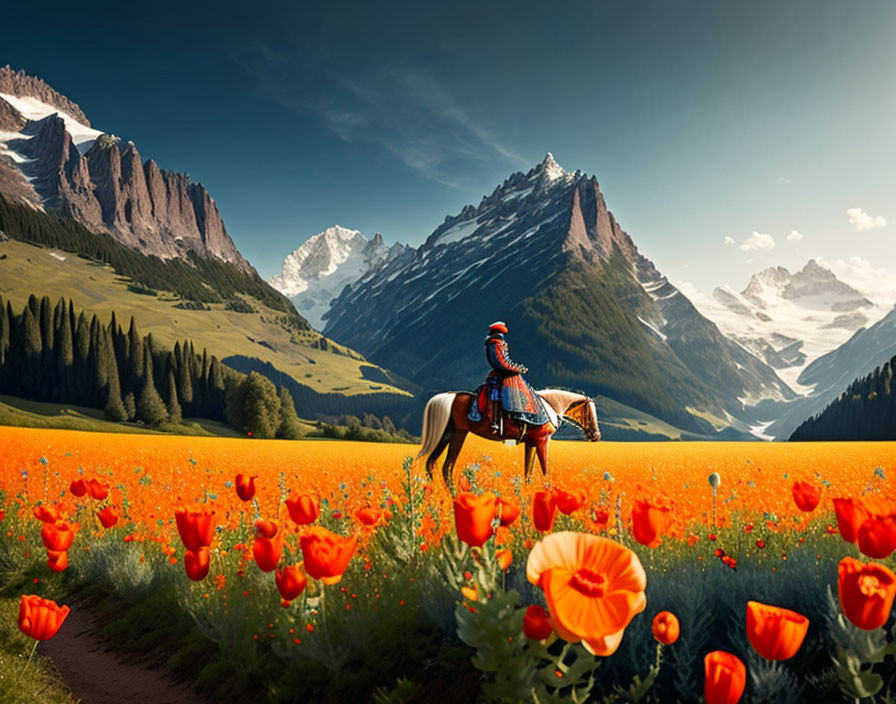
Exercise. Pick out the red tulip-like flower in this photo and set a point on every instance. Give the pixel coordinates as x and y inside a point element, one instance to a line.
<point>304,509</point>
<point>78,487</point>
<point>326,553</point>
<point>726,677</point>
<point>97,490</point>
<point>245,487</point>
<point>866,592</point>
<point>57,536</point>
<point>268,545</point>
<point>775,633</point>
<point>57,561</point>
<point>505,558</point>
<point>648,522</point>
<point>196,528</point>
<point>665,627</point>
<point>569,501</point>
<point>196,563</point>
<point>851,513</point>
<point>46,513</point>
<point>108,517</point>
<point>544,510</point>
<point>876,536</point>
<point>291,582</point>
<point>508,510</point>
<point>806,495</point>
<point>536,624</point>
<point>40,618</point>
<point>368,516</point>
<point>473,516</point>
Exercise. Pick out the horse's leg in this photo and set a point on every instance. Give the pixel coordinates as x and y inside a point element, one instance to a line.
<point>439,449</point>
<point>457,442</point>
<point>541,449</point>
<point>530,460</point>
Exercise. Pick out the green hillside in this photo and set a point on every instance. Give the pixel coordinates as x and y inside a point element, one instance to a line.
<point>305,355</point>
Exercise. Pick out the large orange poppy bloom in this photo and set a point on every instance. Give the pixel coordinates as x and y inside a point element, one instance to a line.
<point>40,618</point>
<point>196,528</point>
<point>866,592</point>
<point>851,513</point>
<point>326,554</point>
<point>473,516</point>
<point>775,633</point>
<point>593,587</point>
<point>649,522</point>
<point>726,677</point>
<point>806,496</point>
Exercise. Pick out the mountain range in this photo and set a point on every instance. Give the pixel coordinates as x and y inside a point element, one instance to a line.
<point>587,308</point>
<point>56,161</point>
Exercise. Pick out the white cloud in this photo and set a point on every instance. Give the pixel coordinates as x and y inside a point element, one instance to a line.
<point>783,179</point>
<point>758,240</point>
<point>864,221</point>
<point>794,236</point>
<point>729,240</point>
<point>878,284</point>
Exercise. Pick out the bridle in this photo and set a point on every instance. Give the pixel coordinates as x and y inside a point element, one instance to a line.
<point>578,414</point>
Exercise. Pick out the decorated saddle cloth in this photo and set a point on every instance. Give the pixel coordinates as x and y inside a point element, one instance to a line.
<point>518,399</point>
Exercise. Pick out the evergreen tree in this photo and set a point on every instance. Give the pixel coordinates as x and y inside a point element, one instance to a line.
<point>175,412</point>
<point>150,407</point>
<point>184,377</point>
<point>130,406</point>
<point>290,428</point>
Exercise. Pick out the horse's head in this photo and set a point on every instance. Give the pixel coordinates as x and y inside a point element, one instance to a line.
<point>583,413</point>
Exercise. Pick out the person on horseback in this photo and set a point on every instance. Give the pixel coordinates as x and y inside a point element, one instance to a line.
<point>506,386</point>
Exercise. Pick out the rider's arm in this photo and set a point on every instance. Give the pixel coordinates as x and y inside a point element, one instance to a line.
<point>501,361</point>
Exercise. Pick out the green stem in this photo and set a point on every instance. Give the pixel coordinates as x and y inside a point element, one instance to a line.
<point>30,656</point>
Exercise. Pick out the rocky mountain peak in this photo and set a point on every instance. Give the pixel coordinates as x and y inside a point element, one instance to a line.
<point>22,85</point>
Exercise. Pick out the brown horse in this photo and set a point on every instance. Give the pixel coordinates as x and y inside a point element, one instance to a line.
<point>445,424</point>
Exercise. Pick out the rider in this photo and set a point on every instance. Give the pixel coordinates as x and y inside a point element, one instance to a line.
<point>506,385</point>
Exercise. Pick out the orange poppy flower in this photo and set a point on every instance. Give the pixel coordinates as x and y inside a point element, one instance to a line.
<point>303,509</point>
<point>665,627</point>
<point>569,501</point>
<point>866,592</point>
<point>57,561</point>
<point>78,487</point>
<point>851,513</point>
<point>98,491</point>
<point>509,510</point>
<point>473,516</point>
<point>648,522</point>
<point>57,536</point>
<point>876,537</point>
<point>40,618</point>
<point>245,487</point>
<point>806,495</point>
<point>594,587</point>
<point>726,677</point>
<point>46,513</point>
<point>505,558</point>
<point>108,517</point>
<point>536,624</point>
<point>196,563</point>
<point>368,516</point>
<point>291,582</point>
<point>775,633</point>
<point>196,528</point>
<point>326,553</point>
<point>268,545</point>
<point>544,510</point>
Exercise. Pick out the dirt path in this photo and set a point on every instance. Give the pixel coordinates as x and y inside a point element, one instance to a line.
<point>97,674</point>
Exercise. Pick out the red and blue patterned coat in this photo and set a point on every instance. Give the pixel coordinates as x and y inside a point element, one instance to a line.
<point>518,398</point>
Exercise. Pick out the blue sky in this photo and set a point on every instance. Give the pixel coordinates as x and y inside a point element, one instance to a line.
<point>701,120</point>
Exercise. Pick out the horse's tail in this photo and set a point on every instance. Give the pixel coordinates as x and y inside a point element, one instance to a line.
<point>436,416</point>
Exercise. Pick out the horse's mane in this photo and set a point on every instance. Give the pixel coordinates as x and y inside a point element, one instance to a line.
<point>560,399</point>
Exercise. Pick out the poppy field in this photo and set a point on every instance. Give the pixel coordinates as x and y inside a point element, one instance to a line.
<point>276,570</point>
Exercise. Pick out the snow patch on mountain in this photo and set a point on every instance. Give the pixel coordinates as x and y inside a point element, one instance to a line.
<point>34,109</point>
<point>324,264</point>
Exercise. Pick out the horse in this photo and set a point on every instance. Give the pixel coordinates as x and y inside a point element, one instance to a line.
<point>445,424</point>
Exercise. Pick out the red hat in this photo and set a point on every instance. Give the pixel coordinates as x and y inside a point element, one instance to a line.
<point>498,326</point>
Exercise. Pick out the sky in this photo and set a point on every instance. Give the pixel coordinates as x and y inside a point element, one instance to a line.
<point>726,137</point>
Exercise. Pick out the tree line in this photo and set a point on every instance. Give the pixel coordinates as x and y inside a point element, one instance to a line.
<point>53,353</point>
<point>865,411</point>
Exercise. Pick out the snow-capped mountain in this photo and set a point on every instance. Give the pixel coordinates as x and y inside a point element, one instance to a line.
<point>324,264</point>
<point>585,308</point>
<point>53,159</point>
<point>789,320</point>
